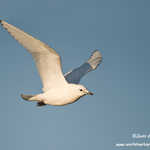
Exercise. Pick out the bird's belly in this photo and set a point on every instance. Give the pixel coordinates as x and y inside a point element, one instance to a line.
<point>58,102</point>
<point>59,99</point>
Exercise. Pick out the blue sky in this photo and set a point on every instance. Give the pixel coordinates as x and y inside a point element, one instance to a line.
<point>120,106</point>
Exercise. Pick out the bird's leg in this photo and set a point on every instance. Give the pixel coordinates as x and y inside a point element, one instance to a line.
<point>41,103</point>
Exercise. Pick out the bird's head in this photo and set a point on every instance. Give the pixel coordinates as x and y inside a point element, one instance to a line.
<point>80,89</point>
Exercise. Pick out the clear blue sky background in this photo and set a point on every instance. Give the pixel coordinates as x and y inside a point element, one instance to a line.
<point>120,29</point>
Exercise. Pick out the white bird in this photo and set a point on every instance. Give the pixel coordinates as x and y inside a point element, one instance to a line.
<point>58,89</point>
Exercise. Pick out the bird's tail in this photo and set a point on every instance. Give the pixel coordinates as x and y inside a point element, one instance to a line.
<point>33,98</point>
<point>29,97</point>
<point>95,59</point>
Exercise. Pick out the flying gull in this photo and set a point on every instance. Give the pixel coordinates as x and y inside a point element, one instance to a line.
<point>58,89</point>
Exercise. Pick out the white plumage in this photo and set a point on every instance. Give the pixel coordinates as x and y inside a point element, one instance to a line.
<point>58,89</point>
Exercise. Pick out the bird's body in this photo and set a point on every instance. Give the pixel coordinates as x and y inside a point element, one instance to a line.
<point>63,95</point>
<point>58,89</point>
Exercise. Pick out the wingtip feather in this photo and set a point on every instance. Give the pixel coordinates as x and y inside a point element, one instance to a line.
<point>95,59</point>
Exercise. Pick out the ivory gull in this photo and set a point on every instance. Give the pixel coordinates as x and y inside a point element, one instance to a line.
<point>58,89</point>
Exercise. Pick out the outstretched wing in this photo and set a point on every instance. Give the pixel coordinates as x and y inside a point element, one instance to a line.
<point>47,60</point>
<point>75,75</point>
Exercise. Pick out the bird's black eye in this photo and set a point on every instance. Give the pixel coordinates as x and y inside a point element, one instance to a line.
<point>81,90</point>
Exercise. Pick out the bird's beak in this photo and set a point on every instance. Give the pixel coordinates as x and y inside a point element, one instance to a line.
<point>90,93</point>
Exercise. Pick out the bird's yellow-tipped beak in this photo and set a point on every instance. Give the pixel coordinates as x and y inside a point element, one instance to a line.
<point>90,93</point>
